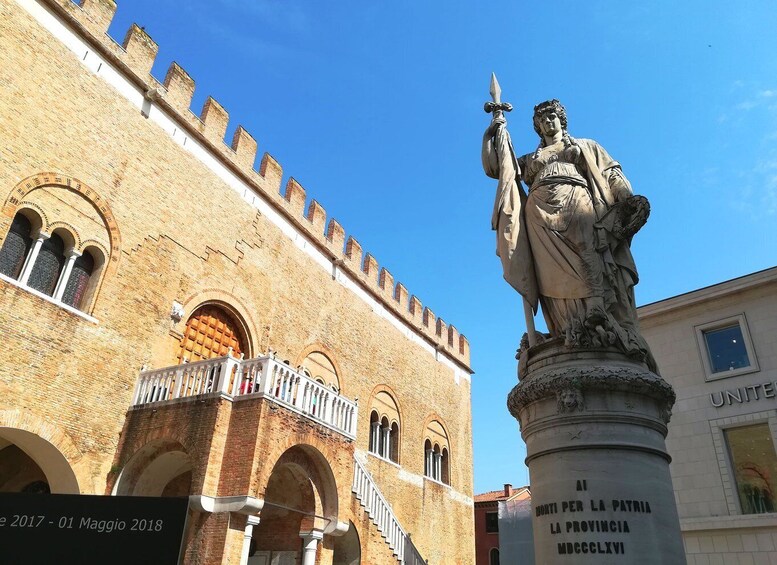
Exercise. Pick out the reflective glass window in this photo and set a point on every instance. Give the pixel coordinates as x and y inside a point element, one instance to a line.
<point>754,467</point>
<point>726,349</point>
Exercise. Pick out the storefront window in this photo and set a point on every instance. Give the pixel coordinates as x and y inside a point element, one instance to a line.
<point>755,466</point>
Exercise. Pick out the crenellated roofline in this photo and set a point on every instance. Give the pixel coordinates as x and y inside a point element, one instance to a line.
<point>134,58</point>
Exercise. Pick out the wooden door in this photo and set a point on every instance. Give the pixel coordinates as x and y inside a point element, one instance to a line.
<point>210,332</point>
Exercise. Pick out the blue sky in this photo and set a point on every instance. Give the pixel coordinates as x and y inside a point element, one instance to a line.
<point>376,109</point>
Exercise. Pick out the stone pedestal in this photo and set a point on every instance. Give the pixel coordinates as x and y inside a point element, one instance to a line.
<point>594,423</point>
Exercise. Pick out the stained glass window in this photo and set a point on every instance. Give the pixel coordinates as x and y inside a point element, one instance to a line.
<point>79,280</point>
<point>48,265</point>
<point>16,246</point>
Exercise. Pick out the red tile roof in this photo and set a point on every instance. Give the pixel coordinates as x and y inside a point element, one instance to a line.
<point>496,495</point>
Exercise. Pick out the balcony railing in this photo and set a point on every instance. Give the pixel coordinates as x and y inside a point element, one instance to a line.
<point>261,377</point>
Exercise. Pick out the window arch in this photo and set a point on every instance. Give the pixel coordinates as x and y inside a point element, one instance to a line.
<point>384,426</point>
<point>437,453</point>
<point>493,556</point>
<point>50,263</point>
<point>318,366</point>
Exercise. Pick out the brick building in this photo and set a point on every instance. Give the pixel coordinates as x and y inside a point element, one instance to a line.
<point>175,326</point>
<point>487,522</point>
<point>717,346</point>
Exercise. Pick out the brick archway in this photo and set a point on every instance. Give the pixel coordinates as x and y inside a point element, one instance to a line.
<point>46,444</point>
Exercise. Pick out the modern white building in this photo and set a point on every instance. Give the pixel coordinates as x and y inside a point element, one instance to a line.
<point>717,346</point>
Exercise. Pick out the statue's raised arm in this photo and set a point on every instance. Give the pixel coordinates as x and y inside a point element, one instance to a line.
<point>567,243</point>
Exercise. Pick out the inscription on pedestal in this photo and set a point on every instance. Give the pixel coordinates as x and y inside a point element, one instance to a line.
<point>605,521</point>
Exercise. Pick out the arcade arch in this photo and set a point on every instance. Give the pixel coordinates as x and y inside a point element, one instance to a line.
<point>300,507</point>
<point>29,463</point>
<point>160,468</point>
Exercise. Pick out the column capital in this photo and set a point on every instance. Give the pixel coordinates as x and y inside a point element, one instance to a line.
<point>253,520</point>
<point>311,535</point>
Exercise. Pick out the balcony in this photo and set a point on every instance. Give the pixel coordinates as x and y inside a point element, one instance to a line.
<point>236,379</point>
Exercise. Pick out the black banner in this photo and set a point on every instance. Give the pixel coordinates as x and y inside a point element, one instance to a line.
<point>81,529</point>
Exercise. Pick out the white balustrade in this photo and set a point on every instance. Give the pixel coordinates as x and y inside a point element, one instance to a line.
<point>378,509</point>
<point>264,377</point>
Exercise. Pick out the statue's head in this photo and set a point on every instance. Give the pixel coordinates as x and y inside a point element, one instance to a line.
<point>549,106</point>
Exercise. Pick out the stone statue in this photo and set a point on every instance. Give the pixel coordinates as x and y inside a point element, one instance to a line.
<point>566,244</point>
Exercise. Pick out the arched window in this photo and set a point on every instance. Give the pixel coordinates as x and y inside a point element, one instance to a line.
<point>48,265</point>
<point>394,443</point>
<point>384,427</point>
<point>437,453</point>
<point>493,556</point>
<point>436,460</point>
<point>428,459</point>
<point>78,282</point>
<point>374,433</point>
<point>321,369</point>
<point>210,332</point>
<point>385,440</point>
<point>16,247</point>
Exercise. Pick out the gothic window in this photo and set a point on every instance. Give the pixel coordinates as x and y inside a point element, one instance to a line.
<point>78,282</point>
<point>493,556</point>
<point>16,247</point>
<point>210,332</point>
<point>48,265</point>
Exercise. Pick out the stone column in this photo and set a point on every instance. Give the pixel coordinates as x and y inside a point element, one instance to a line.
<point>71,255</point>
<point>248,534</point>
<point>385,440</point>
<point>594,423</point>
<point>375,431</point>
<point>309,545</point>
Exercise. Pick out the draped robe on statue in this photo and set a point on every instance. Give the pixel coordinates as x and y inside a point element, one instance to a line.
<point>558,244</point>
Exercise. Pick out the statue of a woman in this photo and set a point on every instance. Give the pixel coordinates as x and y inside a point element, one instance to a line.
<point>567,243</point>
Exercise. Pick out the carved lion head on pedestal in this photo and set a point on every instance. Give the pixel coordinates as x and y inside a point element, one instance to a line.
<point>569,400</point>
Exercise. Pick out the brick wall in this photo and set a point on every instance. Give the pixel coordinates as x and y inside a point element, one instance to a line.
<point>186,236</point>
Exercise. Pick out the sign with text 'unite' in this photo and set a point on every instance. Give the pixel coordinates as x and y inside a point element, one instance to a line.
<point>64,528</point>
